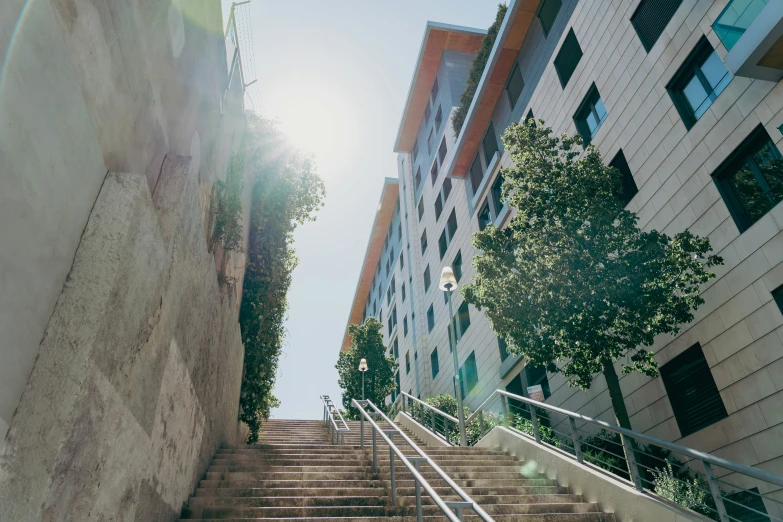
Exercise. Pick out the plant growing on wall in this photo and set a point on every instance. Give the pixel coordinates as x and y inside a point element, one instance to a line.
<point>286,193</point>
<point>477,69</point>
<point>379,377</point>
<point>572,283</point>
<point>226,207</point>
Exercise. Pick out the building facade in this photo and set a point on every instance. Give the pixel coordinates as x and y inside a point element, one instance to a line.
<point>685,99</point>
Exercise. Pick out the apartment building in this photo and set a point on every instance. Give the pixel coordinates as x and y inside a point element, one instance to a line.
<point>684,97</point>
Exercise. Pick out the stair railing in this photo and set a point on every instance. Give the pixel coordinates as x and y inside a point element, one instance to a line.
<point>438,422</point>
<point>413,463</point>
<point>723,490</point>
<point>332,417</point>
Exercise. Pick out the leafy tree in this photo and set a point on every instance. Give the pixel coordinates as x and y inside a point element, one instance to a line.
<point>477,70</point>
<point>286,193</point>
<point>572,283</point>
<point>379,377</point>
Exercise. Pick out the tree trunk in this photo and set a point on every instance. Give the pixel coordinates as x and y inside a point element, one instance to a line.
<point>621,415</point>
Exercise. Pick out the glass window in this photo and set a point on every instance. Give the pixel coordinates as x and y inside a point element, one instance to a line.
<point>402,292</point>
<point>423,241</point>
<point>405,326</point>
<point>407,362</point>
<point>628,187</point>
<point>590,115</point>
<point>777,295</point>
<point>438,119</point>
<point>434,172</point>
<point>514,85</point>
<point>434,362</point>
<point>402,259</point>
<point>567,58</point>
<point>651,18</point>
<point>446,189</point>
<point>464,318</point>
<point>537,375</point>
<point>497,194</point>
<point>427,113</point>
<point>457,266</point>
<point>418,178</point>
<point>421,208</point>
<point>451,225</point>
<point>396,349</point>
<point>427,280</point>
<point>547,13</point>
<point>476,174</point>
<point>442,151</point>
<point>431,141</point>
<point>484,218</point>
<point>468,374</point>
<point>443,244</point>
<point>490,144</point>
<point>430,318</point>
<point>415,151</point>
<point>435,89</point>
<point>503,348</point>
<point>438,207</point>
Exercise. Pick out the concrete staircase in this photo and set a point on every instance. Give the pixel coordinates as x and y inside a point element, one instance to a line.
<point>295,473</point>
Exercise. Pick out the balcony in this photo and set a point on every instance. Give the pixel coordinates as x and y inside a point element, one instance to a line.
<point>752,32</point>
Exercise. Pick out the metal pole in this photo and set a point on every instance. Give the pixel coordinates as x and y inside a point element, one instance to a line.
<point>534,420</point>
<point>418,493</point>
<point>463,440</point>
<point>393,480</point>
<point>577,447</point>
<point>481,423</point>
<point>715,490</point>
<point>362,385</point>
<point>361,429</point>
<point>632,467</point>
<point>374,454</point>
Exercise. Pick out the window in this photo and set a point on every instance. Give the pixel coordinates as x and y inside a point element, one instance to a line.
<point>457,266</point>
<point>777,295</point>
<point>547,12</point>
<point>390,292</point>
<point>451,225</point>
<point>438,118</point>
<point>446,189</point>
<point>423,241</point>
<point>415,152</point>
<point>503,349</point>
<point>434,172</point>
<point>490,144</point>
<point>392,320</point>
<point>427,280</point>
<point>537,375</point>
<point>443,244</point>
<point>438,207</point>
<point>628,187</point>
<point>497,194</point>
<point>402,292</point>
<point>407,362</point>
<point>396,349</point>
<point>698,83</point>
<point>396,391</point>
<point>442,151</point>
<point>430,141</point>
<point>692,392</point>
<point>751,179</point>
<point>434,92</point>
<point>464,318</point>
<point>590,115</point>
<point>430,319</point>
<point>476,174</point>
<point>402,259</point>
<point>447,235</point>
<point>418,178</point>
<point>514,85</point>
<point>427,113</point>
<point>405,326</point>
<point>399,231</point>
<point>530,117</point>
<point>484,218</point>
<point>421,208</point>
<point>468,375</point>
<point>568,58</point>
<point>650,19</point>
<point>434,362</point>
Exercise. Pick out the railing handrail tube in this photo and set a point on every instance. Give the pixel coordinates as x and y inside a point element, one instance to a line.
<point>417,476</point>
<point>480,512</point>
<point>328,402</point>
<point>431,407</point>
<point>706,457</point>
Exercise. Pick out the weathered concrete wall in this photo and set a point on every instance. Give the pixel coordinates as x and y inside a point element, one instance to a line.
<point>138,375</point>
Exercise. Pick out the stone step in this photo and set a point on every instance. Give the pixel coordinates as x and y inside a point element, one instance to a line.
<point>294,501</point>
<point>369,490</point>
<point>269,483</point>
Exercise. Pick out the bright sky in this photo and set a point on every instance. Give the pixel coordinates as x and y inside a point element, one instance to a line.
<point>336,74</point>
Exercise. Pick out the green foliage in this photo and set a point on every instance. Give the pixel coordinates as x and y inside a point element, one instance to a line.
<point>572,283</point>
<point>286,193</point>
<point>477,69</point>
<point>379,377</point>
<point>523,424</point>
<point>690,493</point>
<point>226,207</point>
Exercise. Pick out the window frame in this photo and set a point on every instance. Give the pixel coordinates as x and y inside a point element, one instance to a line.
<point>588,107</point>
<point>559,69</point>
<point>434,362</point>
<point>456,265</point>
<point>511,100</point>
<point>649,45</point>
<point>620,163</point>
<point>541,7</point>
<point>430,318</point>
<point>427,279</point>
<point>439,118</point>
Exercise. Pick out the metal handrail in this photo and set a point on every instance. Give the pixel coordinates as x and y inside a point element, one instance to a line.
<point>330,411</point>
<point>419,480</point>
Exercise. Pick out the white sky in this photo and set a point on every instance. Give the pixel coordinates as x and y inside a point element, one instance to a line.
<point>336,74</point>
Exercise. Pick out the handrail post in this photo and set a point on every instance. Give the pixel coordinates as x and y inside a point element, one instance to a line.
<point>504,403</point>
<point>715,490</point>
<point>374,454</point>
<point>446,428</point>
<point>391,469</point>
<point>633,469</point>
<point>534,420</point>
<point>432,422</point>
<point>418,492</point>
<point>361,429</point>
<point>481,422</point>
<point>404,400</point>
<point>575,438</point>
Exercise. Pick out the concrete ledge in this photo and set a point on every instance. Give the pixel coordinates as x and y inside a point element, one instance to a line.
<point>611,494</point>
<point>407,422</point>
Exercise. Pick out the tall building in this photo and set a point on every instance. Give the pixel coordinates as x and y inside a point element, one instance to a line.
<point>685,99</point>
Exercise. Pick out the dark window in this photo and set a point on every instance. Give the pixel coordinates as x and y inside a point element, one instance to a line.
<point>692,392</point>
<point>399,231</point>
<point>427,113</point>
<point>484,218</point>
<point>421,208</point>
<point>430,319</point>
<point>490,144</point>
<point>568,58</point>
<point>434,362</point>
<point>751,179</point>
<point>396,349</point>
<point>438,118</point>
<point>547,12</point>
<point>530,116</point>
<point>537,375</point>
<point>451,225</point>
<point>446,189</point>
<point>468,374</point>
<point>423,241</point>
<point>590,115</point>
<point>418,178</point>
<point>497,194</point>
<point>405,326</point>
<point>476,174</point>
<point>402,259</point>
<point>443,244</point>
<point>442,151</point>
<point>434,172</point>
<point>503,348</point>
<point>514,85</point>
<point>407,362</point>
<point>431,141</point>
<point>415,152</point>
<point>457,266</point>
<point>402,292</point>
<point>650,19</point>
<point>397,389</point>
<point>698,83</point>
<point>427,280</point>
<point>628,187</point>
<point>777,295</point>
<point>464,318</point>
<point>438,207</point>
<point>392,320</point>
<point>434,92</point>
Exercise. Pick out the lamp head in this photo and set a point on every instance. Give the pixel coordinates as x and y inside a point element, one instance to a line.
<point>363,365</point>
<point>448,283</point>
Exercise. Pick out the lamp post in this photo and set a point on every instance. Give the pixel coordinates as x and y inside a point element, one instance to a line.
<point>448,283</point>
<point>363,368</point>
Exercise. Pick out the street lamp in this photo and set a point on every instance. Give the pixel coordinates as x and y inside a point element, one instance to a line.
<point>448,283</point>
<point>363,368</point>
